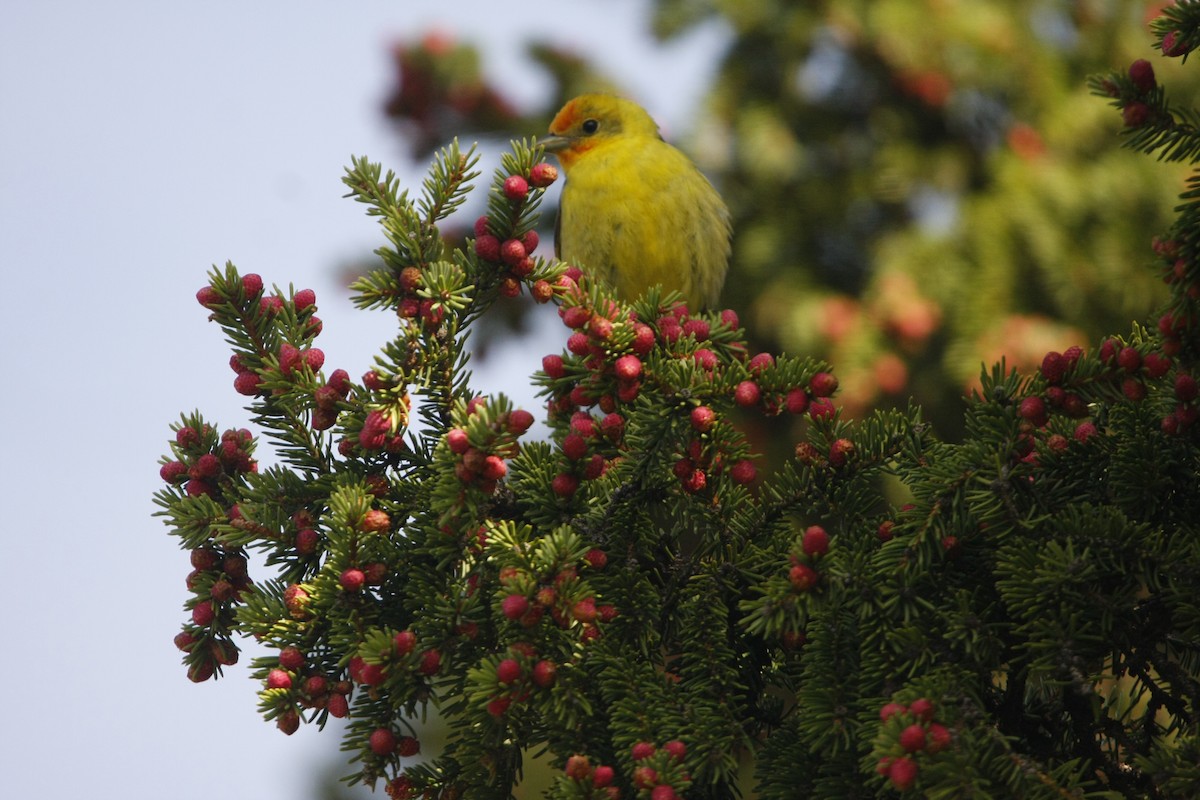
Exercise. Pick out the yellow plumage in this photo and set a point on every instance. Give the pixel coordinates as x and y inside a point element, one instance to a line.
<point>636,212</point>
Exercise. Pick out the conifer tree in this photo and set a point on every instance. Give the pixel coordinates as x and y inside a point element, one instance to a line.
<point>1009,615</point>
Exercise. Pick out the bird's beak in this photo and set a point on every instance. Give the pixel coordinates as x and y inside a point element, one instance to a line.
<point>552,144</point>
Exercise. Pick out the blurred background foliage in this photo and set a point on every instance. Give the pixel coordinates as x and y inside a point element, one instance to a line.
<point>918,187</point>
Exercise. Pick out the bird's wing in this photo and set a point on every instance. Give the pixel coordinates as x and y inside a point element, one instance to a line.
<point>558,232</point>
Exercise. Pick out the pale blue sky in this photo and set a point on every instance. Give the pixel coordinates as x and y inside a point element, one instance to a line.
<point>139,144</point>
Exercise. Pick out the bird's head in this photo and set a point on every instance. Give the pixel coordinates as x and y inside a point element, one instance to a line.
<point>591,121</point>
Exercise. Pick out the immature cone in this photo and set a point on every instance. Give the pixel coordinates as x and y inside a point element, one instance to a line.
<point>382,742</point>
<point>1135,114</point>
<point>815,541</point>
<point>1141,72</point>
<point>516,188</point>
<point>543,174</point>
<point>1172,45</point>
<point>903,773</point>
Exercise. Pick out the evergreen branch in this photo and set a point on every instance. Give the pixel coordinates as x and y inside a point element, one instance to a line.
<point>1177,28</point>
<point>1152,124</point>
<point>1173,133</point>
<point>448,184</point>
<point>369,185</point>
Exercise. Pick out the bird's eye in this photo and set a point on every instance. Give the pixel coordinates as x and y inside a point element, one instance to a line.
<point>590,126</point>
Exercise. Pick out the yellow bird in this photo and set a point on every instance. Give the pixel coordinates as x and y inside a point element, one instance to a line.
<point>635,212</point>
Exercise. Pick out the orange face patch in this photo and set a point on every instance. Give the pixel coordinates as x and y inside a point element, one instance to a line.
<point>569,155</point>
<point>564,124</point>
<point>564,119</point>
